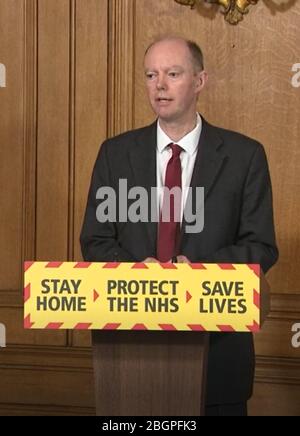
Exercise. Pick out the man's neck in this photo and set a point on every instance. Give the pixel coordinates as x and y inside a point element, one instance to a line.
<point>176,131</point>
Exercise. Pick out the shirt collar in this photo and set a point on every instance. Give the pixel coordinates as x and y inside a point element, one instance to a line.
<point>189,142</point>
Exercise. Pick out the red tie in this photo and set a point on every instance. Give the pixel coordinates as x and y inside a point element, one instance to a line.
<point>169,232</point>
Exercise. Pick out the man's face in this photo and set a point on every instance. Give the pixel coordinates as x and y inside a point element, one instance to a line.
<point>172,82</point>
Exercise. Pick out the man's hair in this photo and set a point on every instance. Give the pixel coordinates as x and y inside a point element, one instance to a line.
<point>194,49</point>
<point>197,54</point>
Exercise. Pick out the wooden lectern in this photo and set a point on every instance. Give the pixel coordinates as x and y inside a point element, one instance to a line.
<point>150,373</point>
<point>144,373</point>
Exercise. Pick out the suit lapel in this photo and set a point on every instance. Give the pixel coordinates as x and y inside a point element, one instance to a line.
<point>209,161</point>
<point>209,158</point>
<point>143,163</point>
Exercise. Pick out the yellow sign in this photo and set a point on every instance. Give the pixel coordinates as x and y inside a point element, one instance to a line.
<point>127,296</point>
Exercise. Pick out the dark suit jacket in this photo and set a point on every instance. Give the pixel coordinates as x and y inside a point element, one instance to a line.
<point>238,227</point>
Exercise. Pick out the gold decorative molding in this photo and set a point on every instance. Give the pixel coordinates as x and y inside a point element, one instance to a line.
<point>121,66</point>
<point>234,10</point>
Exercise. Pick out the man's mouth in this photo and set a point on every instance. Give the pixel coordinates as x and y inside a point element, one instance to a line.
<point>163,99</point>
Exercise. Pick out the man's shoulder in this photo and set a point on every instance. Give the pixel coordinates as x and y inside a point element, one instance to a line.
<point>128,139</point>
<point>237,142</point>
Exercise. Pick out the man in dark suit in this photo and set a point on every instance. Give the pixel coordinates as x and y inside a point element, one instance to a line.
<point>182,149</point>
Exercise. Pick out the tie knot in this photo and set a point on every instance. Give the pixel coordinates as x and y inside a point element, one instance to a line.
<point>176,150</point>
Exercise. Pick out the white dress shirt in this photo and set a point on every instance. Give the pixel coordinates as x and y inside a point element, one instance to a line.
<point>189,144</point>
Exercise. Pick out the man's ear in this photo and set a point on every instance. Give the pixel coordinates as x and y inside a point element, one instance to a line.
<point>201,80</point>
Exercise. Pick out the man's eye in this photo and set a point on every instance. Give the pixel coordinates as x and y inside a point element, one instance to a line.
<point>150,76</point>
<point>173,74</point>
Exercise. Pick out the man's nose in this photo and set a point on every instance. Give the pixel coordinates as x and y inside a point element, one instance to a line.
<point>161,83</point>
